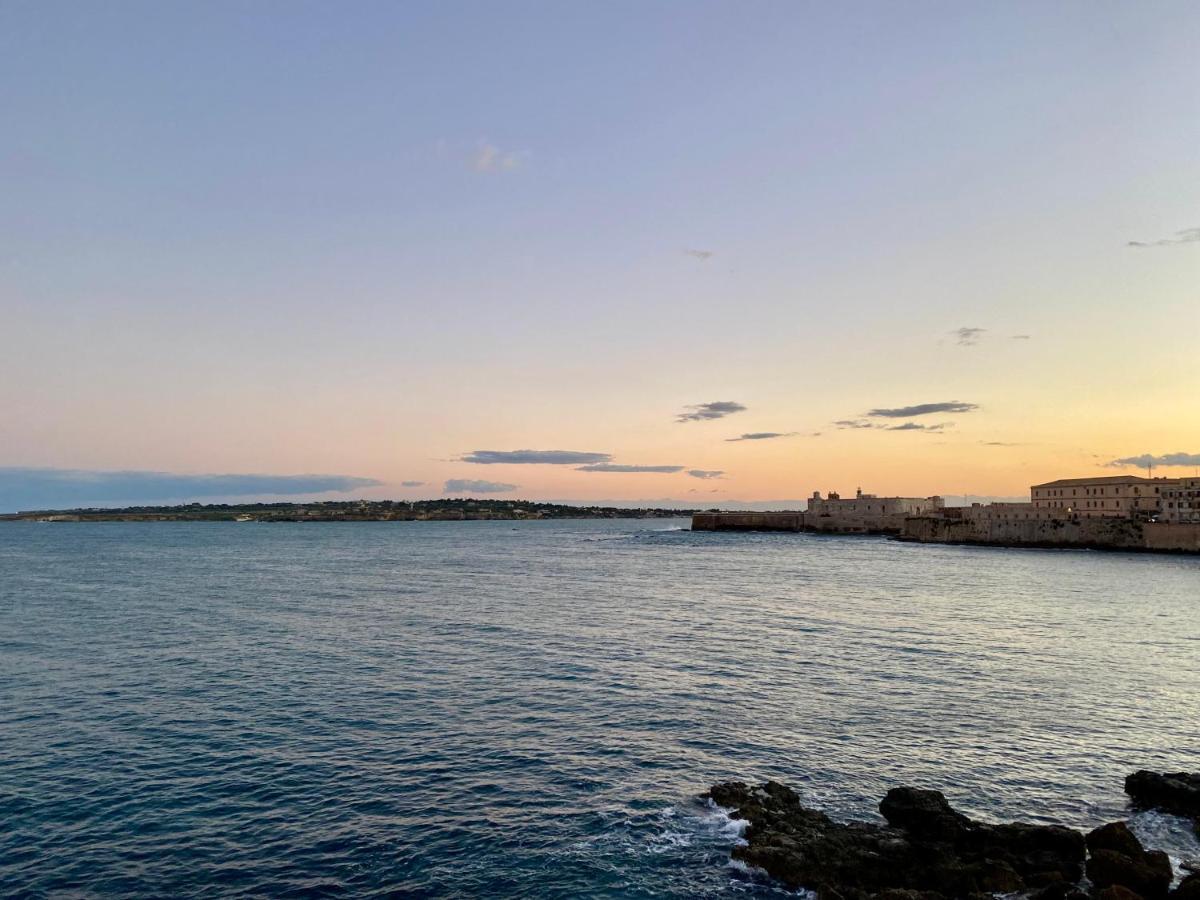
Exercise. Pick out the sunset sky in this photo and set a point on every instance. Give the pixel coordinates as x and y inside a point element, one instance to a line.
<point>397,242</point>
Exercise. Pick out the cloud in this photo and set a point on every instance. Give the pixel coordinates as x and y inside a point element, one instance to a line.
<point>30,488</point>
<point>853,423</point>
<point>535,457</point>
<point>702,255</point>
<point>762,435</point>
<point>490,158</point>
<point>412,483</point>
<point>1021,337</point>
<point>706,473</point>
<point>467,486</point>
<point>718,409</point>
<point>913,426</point>
<point>1186,236</point>
<point>968,337</point>
<point>923,409</point>
<point>1166,459</point>
<point>999,444</point>
<point>619,467</point>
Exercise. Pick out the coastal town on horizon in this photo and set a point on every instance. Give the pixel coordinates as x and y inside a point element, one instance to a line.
<point>1126,512</point>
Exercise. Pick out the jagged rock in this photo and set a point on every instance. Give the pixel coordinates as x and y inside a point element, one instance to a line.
<point>1175,792</point>
<point>925,814</point>
<point>1059,890</point>
<point>1188,889</point>
<point>1115,836</point>
<point>1116,892</point>
<point>1148,875</point>
<point>927,851</point>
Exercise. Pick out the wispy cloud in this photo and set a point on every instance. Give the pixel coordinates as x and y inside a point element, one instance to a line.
<point>923,409</point>
<point>968,337</point>
<point>1165,459</point>
<point>702,255</point>
<point>490,158</point>
<point>914,426</point>
<point>30,488</point>
<point>999,444</point>
<point>621,467</point>
<point>761,436</point>
<point>1186,236</point>
<point>1020,337</point>
<point>702,412</point>
<point>706,473</point>
<point>852,423</point>
<point>536,457</point>
<point>469,486</point>
<point>412,483</point>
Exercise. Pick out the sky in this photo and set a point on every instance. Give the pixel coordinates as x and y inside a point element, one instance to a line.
<point>704,251</point>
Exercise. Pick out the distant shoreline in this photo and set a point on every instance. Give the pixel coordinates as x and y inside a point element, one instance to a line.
<point>449,510</point>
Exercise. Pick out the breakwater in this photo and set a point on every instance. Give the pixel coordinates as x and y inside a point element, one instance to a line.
<point>1074,533</point>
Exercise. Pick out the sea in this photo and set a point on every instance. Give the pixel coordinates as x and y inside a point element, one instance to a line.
<point>535,709</point>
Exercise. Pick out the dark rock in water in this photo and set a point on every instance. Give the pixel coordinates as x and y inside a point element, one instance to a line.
<point>1149,876</point>
<point>928,851</point>
<point>1116,892</point>
<point>1175,792</point>
<point>1188,889</point>
<point>923,813</point>
<point>1059,890</point>
<point>1115,836</point>
<point>1118,859</point>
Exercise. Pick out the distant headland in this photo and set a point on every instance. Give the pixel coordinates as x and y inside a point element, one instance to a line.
<point>450,509</point>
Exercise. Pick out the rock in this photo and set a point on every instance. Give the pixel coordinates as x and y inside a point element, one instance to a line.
<point>1116,892</point>
<point>1060,890</point>
<point>1188,889</point>
<point>1115,836</point>
<point>927,851</point>
<point>923,813</point>
<point>1175,792</point>
<point>1148,874</point>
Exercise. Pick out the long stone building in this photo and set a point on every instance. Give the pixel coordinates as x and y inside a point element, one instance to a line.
<point>1181,502</point>
<point>1113,496</point>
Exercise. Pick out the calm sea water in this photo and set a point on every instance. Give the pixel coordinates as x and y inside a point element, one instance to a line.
<point>531,708</point>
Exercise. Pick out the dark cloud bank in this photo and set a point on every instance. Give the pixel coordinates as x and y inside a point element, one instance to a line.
<point>536,457</point>
<point>470,486</point>
<point>1186,236</point>
<point>28,488</point>
<point>761,436</point>
<point>922,409</point>
<point>621,467</point>
<point>968,337</point>
<point>702,412</point>
<point>1165,459</point>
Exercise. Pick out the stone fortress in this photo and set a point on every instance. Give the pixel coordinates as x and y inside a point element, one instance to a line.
<point>1120,512</point>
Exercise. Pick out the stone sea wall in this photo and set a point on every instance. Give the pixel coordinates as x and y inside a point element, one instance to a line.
<point>1094,533</point>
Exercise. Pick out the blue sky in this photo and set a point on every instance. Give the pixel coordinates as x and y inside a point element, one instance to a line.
<point>370,238</point>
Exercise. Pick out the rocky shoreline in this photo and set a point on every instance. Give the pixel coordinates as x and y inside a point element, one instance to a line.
<point>929,851</point>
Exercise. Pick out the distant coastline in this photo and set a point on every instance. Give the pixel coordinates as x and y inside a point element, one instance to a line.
<point>446,510</point>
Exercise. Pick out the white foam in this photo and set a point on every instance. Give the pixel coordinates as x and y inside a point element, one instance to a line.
<point>1174,835</point>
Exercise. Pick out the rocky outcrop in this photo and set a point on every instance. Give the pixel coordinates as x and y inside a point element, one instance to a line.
<point>1117,859</point>
<point>927,851</point>
<point>1175,792</point>
<point>1188,889</point>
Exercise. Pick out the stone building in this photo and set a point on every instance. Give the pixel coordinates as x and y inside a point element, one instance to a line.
<point>1007,512</point>
<point>869,504</point>
<point>1181,502</point>
<point>1113,496</point>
